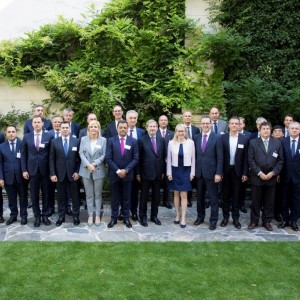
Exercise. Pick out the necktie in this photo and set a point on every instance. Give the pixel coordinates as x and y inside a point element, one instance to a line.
<point>215,127</point>
<point>293,148</point>
<point>266,143</point>
<point>131,130</point>
<point>163,133</point>
<point>204,143</point>
<point>13,148</point>
<point>122,146</point>
<point>188,131</point>
<point>37,142</point>
<point>57,134</point>
<point>154,144</point>
<point>66,146</point>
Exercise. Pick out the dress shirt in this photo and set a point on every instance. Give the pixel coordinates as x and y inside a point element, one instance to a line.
<point>35,136</point>
<point>134,132</point>
<point>233,141</point>
<point>296,143</point>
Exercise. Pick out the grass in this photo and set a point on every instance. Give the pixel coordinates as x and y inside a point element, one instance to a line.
<point>76,270</point>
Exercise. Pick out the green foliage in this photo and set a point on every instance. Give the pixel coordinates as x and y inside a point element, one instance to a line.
<point>14,117</point>
<point>265,79</point>
<point>133,54</point>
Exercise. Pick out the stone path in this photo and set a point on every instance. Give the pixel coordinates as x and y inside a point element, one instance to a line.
<point>119,233</point>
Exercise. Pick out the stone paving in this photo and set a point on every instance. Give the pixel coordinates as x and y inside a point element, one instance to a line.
<point>153,233</point>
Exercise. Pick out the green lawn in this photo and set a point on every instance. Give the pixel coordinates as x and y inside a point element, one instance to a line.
<point>75,270</point>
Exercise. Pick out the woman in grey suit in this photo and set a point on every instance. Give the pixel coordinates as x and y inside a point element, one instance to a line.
<point>92,169</point>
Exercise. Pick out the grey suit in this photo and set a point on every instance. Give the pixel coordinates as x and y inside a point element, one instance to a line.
<point>222,127</point>
<point>93,182</point>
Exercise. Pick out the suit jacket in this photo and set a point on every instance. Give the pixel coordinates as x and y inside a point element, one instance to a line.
<point>63,165</point>
<point>241,154</point>
<point>247,134</point>
<point>87,157</point>
<point>254,135</point>
<point>53,133</point>
<point>260,160</point>
<point>28,126</point>
<point>111,130</point>
<point>291,169</point>
<point>10,164</point>
<point>116,161</point>
<point>209,163</point>
<point>75,129</point>
<point>151,165</point>
<point>195,130</point>
<point>139,131</point>
<point>2,139</point>
<point>168,136</point>
<point>222,126</point>
<point>33,160</point>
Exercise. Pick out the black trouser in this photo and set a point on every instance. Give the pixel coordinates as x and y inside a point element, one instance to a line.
<point>1,202</point>
<point>291,202</point>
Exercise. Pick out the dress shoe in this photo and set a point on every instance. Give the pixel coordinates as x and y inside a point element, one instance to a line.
<point>283,224</point>
<point>37,222</point>
<point>60,221</point>
<point>190,204</point>
<point>182,225</point>
<point>243,209</point>
<point>127,223</point>
<point>24,221</point>
<point>237,224</point>
<point>69,212</point>
<point>198,221</point>
<point>97,221</point>
<point>155,221</point>
<point>167,205</point>
<point>212,226</point>
<point>76,221</point>
<point>144,222</point>
<point>46,221</point>
<point>224,223</point>
<point>268,226</point>
<point>1,219</point>
<point>134,217</point>
<point>252,226</point>
<point>29,204</point>
<point>295,226</point>
<point>112,223</point>
<point>176,222</point>
<point>11,220</point>
<point>120,217</point>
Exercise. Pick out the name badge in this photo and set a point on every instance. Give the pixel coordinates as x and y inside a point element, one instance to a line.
<point>74,136</point>
<point>74,148</point>
<point>18,154</point>
<point>127,147</point>
<point>241,146</point>
<point>42,146</point>
<point>275,154</point>
<point>98,146</point>
<point>222,132</point>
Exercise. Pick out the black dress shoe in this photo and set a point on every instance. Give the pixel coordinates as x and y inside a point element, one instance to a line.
<point>252,226</point>
<point>37,222</point>
<point>69,212</point>
<point>176,222</point>
<point>224,223</point>
<point>134,218</point>
<point>182,225</point>
<point>295,226</point>
<point>243,209</point>
<point>268,226</point>
<point>60,221</point>
<point>190,204</point>
<point>11,220</point>
<point>144,222</point>
<point>155,221</point>
<point>283,224</point>
<point>237,224</point>
<point>198,221</point>
<point>127,223</point>
<point>46,221</point>
<point>120,217</point>
<point>29,204</point>
<point>76,221</point>
<point>112,223</point>
<point>167,205</point>
<point>24,221</point>
<point>212,226</point>
<point>1,219</point>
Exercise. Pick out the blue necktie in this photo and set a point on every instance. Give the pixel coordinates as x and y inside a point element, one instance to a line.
<point>293,148</point>
<point>13,148</point>
<point>66,147</point>
<point>215,128</point>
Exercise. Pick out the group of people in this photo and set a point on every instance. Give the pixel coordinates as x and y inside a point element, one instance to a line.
<point>216,158</point>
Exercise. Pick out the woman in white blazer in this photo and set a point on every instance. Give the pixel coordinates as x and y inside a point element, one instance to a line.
<point>92,169</point>
<point>181,170</point>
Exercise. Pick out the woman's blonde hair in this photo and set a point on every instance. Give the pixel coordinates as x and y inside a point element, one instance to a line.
<point>180,127</point>
<point>94,122</point>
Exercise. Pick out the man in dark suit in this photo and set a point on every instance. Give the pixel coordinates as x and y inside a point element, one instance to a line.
<point>167,135</point>
<point>291,178</point>
<point>37,111</point>
<point>56,122</point>
<point>288,118</point>
<point>90,117</point>
<point>68,117</point>
<point>219,126</point>
<point>1,195</point>
<point>234,147</point>
<point>11,176</point>
<point>256,134</point>
<point>112,127</point>
<point>122,156</point>
<point>150,171</point>
<point>136,133</point>
<point>265,157</point>
<point>64,171</point>
<point>35,168</point>
<point>208,171</point>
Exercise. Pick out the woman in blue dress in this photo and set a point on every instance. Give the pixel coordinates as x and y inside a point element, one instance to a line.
<point>180,170</point>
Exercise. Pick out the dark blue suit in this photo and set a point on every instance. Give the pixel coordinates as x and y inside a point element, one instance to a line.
<point>111,130</point>
<point>2,139</point>
<point>151,169</point>
<point>121,187</point>
<point>28,126</point>
<point>11,173</point>
<point>290,207</point>
<point>75,129</point>
<point>64,166</point>
<point>208,164</point>
<point>36,163</point>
